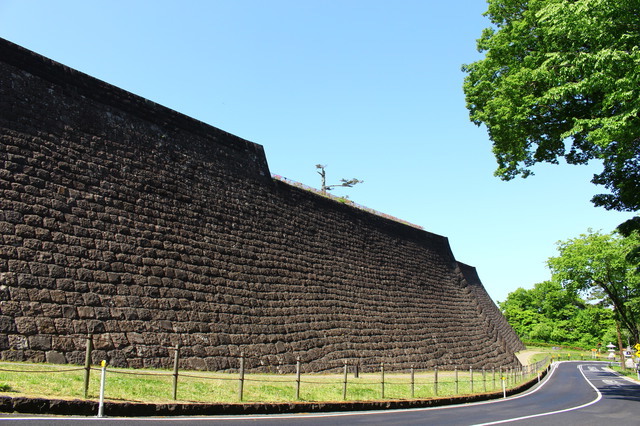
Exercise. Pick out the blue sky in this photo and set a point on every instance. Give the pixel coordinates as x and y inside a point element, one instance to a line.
<point>372,89</point>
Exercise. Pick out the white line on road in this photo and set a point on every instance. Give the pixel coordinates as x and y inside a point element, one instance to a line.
<point>319,415</point>
<point>598,398</point>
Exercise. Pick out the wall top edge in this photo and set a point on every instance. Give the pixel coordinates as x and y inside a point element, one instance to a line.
<point>103,92</point>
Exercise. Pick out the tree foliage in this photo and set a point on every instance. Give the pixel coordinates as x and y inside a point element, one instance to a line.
<point>597,266</point>
<point>553,314</point>
<point>560,79</point>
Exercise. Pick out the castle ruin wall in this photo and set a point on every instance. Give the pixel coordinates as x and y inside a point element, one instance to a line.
<point>147,228</point>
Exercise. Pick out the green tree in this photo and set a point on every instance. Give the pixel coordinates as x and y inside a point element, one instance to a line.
<point>553,314</point>
<point>594,325</point>
<point>596,265</point>
<point>560,79</point>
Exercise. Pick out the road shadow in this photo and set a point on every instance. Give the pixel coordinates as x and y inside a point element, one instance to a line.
<point>616,387</point>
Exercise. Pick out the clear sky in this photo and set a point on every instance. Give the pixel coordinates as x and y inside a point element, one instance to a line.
<point>372,89</point>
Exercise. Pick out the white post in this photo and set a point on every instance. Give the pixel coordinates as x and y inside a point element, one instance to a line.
<point>102,377</point>
<point>504,389</point>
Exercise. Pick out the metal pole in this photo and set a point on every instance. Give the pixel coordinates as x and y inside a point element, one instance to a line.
<point>176,357</point>
<point>471,377</point>
<point>103,374</point>
<point>87,364</point>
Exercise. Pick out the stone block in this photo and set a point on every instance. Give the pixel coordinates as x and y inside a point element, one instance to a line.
<point>40,342</point>
<point>85,312</point>
<point>46,325</point>
<point>17,342</point>
<point>95,327</point>
<point>91,299</point>
<point>7,324</point>
<point>26,326</point>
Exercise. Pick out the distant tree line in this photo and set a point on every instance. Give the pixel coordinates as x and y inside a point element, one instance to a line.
<point>593,292</point>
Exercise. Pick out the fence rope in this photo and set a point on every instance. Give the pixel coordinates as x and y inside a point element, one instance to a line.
<point>370,381</point>
<point>319,382</point>
<point>42,371</point>
<point>292,380</point>
<point>207,378</point>
<point>135,374</point>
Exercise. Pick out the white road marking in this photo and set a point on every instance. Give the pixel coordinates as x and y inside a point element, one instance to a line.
<point>598,398</point>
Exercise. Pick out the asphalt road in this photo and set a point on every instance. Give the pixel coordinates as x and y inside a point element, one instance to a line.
<point>575,393</point>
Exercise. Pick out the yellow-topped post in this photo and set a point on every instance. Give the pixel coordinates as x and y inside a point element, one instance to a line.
<point>103,374</point>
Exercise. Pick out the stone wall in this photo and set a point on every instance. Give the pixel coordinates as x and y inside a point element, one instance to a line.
<point>147,228</point>
<point>496,322</point>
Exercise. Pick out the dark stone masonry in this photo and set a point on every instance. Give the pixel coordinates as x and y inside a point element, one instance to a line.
<point>147,228</point>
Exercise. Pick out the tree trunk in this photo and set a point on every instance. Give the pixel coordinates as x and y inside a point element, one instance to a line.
<point>623,365</point>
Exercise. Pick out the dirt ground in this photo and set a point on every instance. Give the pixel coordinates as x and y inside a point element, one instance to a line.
<point>525,356</point>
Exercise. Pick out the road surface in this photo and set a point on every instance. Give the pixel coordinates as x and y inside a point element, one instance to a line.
<point>574,393</point>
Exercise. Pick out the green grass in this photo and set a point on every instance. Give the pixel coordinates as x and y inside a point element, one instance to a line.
<point>563,354</point>
<point>629,372</point>
<point>67,382</point>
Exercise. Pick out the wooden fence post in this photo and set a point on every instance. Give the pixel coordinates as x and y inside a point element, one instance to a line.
<point>413,382</point>
<point>176,358</point>
<point>298,378</point>
<point>484,379</point>
<point>344,381</point>
<point>456,372</point>
<point>435,381</point>
<point>493,371</point>
<point>382,380</point>
<point>241,382</point>
<point>87,364</point>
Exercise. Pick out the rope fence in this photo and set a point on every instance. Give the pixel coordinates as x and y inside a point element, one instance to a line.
<point>349,383</point>
<point>66,370</point>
